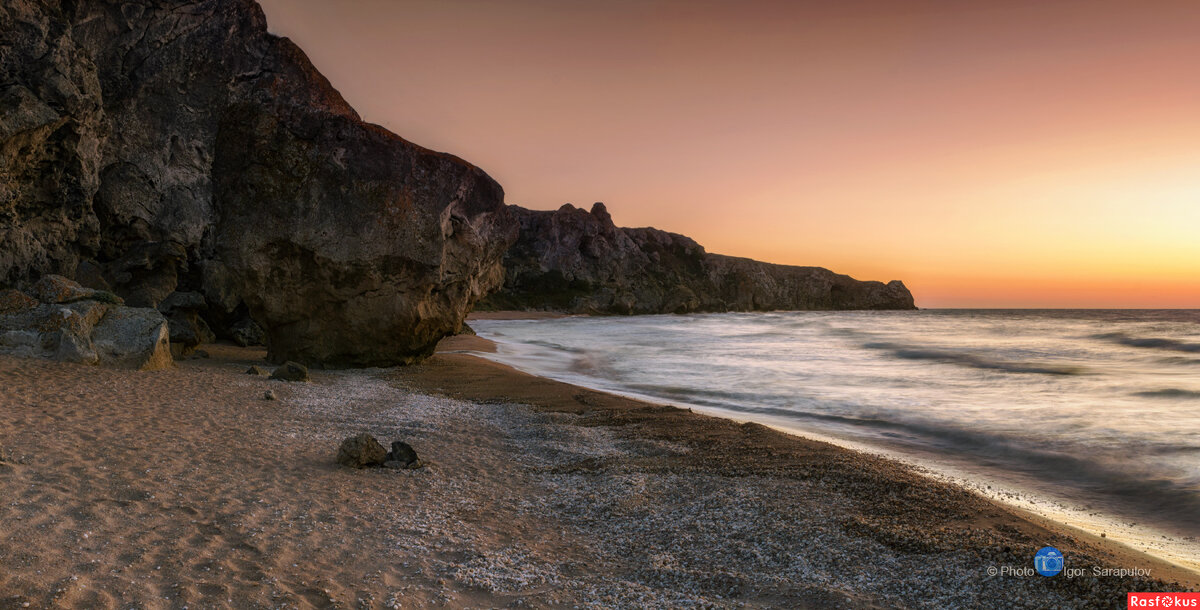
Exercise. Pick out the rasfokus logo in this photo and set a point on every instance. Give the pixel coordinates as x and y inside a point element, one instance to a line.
<point>1048,561</point>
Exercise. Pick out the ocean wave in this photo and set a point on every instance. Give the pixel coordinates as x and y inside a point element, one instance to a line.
<point>1150,342</point>
<point>1153,496</point>
<point>973,360</point>
<point>1180,360</point>
<point>555,346</point>
<point>1168,393</point>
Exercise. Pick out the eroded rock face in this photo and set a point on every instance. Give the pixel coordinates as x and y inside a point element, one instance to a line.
<point>577,261</point>
<point>414,240</point>
<point>169,146</point>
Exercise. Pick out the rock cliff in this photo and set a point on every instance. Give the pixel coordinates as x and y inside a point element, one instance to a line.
<point>573,260</point>
<point>168,147</point>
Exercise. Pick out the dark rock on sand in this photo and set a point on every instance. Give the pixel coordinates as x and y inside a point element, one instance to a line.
<point>269,395</point>
<point>361,451</point>
<point>403,455</point>
<point>164,147</point>
<point>291,371</point>
<point>256,370</point>
<point>576,261</point>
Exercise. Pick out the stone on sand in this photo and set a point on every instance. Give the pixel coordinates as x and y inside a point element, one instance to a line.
<point>291,371</point>
<point>402,456</point>
<point>361,451</point>
<point>256,370</point>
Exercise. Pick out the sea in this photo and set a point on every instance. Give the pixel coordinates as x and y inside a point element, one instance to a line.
<point>1091,417</point>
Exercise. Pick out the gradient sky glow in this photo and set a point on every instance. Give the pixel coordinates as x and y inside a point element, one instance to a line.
<point>999,154</point>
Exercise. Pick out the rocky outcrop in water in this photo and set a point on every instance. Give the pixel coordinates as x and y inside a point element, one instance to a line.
<point>573,260</point>
<point>170,150</point>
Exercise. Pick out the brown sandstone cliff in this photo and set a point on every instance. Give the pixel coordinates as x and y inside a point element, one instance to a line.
<point>572,260</point>
<point>170,147</point>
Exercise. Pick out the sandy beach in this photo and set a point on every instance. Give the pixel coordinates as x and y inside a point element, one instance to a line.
<point>185,488</point>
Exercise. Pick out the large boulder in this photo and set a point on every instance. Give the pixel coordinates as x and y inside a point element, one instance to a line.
<point>134,338</point>
<point>170,146</point>
<point>578,261</point>
<point>84,330</point>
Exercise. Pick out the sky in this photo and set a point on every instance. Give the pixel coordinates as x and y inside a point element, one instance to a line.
<point>988,154</point>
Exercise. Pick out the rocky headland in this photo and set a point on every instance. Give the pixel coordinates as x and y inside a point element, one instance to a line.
<point>181,157</point>
<point>576,261</point>
<point>178,156</point>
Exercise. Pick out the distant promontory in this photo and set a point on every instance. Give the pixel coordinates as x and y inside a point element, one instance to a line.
<point>576,261</point>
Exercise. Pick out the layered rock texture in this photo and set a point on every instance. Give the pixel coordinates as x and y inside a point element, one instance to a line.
<point>182,157</point>
<point>573,260</point>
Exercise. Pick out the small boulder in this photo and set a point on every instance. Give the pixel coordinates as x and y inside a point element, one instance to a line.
<point>291,371</point>
<point>361,451</point>
<point>269,395</point>
<point>58,289</point>
<point>256,370</point>
<point>402,453</point>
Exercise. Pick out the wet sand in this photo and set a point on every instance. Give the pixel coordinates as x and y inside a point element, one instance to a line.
<point>185,488</point>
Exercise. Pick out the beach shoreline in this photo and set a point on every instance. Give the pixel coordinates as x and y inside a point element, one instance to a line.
<point>460,375</point>
<point>973,428</point>
<point>186,488</point>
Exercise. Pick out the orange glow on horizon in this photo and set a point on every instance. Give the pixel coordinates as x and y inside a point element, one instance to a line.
<point>1019,154</point>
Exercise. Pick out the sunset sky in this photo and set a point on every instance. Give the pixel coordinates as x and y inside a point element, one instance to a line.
<point>1006,154</point>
